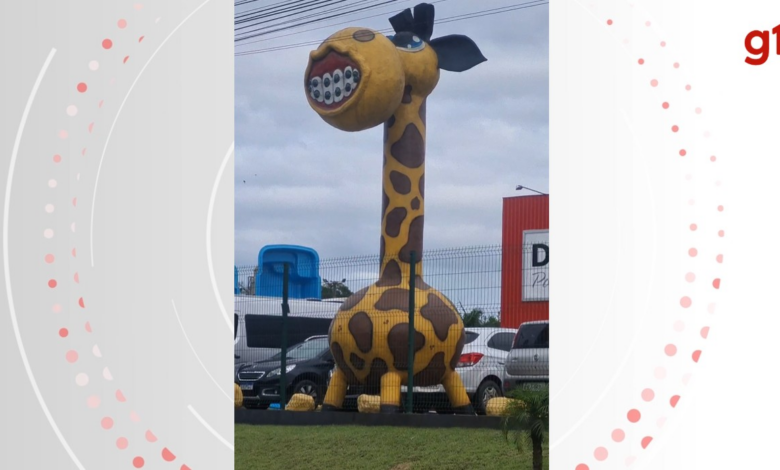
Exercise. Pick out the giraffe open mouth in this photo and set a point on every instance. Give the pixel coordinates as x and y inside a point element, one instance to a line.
<point>333,79</point>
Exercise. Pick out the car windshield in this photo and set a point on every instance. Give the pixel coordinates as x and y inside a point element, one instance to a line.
<point>534,335</point>
<point>306,350</point>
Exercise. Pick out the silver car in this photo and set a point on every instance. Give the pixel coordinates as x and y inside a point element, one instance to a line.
<point>528,362</point>
<point>481,367</point>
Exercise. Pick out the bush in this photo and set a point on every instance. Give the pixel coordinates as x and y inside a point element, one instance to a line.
<point>527,421</point>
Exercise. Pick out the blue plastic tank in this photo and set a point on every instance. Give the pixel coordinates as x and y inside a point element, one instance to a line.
<point>305,281</point>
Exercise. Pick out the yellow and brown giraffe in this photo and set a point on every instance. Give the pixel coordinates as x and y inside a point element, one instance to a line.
<point>358,79</point>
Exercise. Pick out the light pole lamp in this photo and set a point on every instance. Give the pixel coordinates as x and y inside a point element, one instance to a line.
<point>521,187</point>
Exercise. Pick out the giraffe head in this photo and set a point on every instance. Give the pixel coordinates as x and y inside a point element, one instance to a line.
<point>357,78</point>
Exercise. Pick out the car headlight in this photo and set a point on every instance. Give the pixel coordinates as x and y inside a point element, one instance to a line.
<point>278,371</point>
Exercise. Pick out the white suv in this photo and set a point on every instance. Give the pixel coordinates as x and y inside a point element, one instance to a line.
<point>528,362</point>
<point>482,363</point>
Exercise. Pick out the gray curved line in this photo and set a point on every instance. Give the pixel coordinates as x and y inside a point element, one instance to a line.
<point>211,430</point>
<point>176,311</point>
<point>209,218</point>
<point>116,118</point>
<point>7,267</point>
<point>630,350</point>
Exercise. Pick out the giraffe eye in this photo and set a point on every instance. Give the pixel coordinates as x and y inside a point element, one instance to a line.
<point>407,42</point>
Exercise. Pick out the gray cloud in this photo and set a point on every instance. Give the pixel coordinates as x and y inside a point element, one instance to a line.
<point>300,181</point>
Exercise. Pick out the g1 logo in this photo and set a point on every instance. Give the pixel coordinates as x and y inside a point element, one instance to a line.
<point>763,50</point>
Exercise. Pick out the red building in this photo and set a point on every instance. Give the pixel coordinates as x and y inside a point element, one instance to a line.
<point>525,260</point>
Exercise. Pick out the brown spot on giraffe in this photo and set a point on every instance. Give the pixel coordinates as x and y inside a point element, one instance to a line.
<point>391,299</point>
<point>364,35</point>
<point>398,342</point>
<point>407,95</point>
<point>377,370</point>
<point>414,241</point>
<point>433,372</point>
<point>422,185</point>
<point>440,315</point>
<point>353,300</point>
<point>415,204</point>
<point>391,276</point>
<point>401,183</point>
<point>338,358</point>
<point>362,330</point>
<point>409,150</point>
<point>385,203</point>
<point>388,124</point>
<point>381,249</point>
<point>422,111</point>
<point>420,284</point>
<point>394,220</point>
<point>357,361</point>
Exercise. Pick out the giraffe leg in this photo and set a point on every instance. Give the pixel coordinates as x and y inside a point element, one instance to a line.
<point>337,390</point>
<point>390,395</point>
<point>456,392</point>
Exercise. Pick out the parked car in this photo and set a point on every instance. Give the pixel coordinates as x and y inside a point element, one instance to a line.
<point>309,368</point>
<point>258,324</point>
<point>481,368</point>
<point>528,362</point>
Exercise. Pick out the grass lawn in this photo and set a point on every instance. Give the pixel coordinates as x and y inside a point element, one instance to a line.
<point>374,448</point>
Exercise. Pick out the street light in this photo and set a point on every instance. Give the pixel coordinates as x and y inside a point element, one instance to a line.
<point>520,187</point>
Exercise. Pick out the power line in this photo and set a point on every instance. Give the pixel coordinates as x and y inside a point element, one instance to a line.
<point>466,16</point>
<point>326,26</point>
<point>262,33</point>
<point>312,15</point>
<point>267,8</point>
<point>277,15</point>
<point>244,2</point>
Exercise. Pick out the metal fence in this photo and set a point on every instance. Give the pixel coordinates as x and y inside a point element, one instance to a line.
<point>337,329</point>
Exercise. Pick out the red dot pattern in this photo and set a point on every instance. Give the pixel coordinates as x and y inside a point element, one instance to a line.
<point>109,46</point>
<point>670,350</point>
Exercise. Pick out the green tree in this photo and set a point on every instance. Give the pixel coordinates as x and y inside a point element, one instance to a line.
<point>335,289</point>
<point>477,318</point>
<point>528,419</point>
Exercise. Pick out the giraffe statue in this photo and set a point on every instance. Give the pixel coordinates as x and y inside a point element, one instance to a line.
<point>356,80</point>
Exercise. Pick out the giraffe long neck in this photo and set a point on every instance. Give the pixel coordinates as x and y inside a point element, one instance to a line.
<point>403,188</point>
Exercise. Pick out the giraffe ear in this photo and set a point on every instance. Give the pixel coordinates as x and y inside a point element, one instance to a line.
<point>457,53</point>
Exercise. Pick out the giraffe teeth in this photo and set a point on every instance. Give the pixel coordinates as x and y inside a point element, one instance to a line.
<point>348,81</point>
<point>327,84</point>
<point>316,92</point>
<point>338,86</point>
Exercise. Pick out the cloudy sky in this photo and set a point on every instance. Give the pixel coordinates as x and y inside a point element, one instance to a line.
<point>300,181</point>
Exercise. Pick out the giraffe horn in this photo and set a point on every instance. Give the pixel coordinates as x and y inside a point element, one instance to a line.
<point>403,21</point>
<point>423,21</point>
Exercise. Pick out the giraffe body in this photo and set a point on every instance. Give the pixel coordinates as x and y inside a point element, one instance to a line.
<point>355,80</point>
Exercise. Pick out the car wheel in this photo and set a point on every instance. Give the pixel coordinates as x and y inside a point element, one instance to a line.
<point>311,388</point>
<point>487,390</point>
